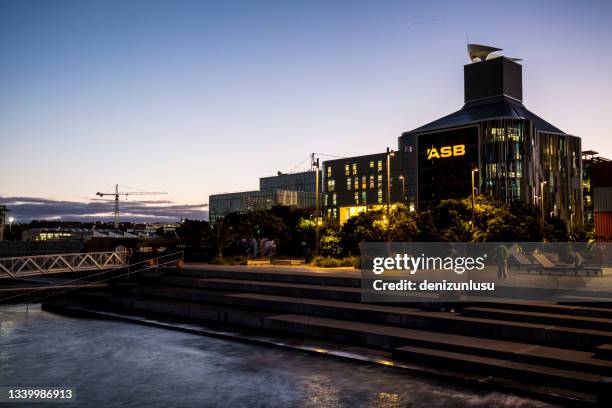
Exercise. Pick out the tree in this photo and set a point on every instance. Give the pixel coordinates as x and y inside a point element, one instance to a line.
<point>222,236</point>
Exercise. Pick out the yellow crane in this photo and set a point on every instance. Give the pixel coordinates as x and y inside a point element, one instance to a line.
<point>117,193</point>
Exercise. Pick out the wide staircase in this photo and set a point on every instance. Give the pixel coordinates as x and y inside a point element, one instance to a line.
<point>552,351</point>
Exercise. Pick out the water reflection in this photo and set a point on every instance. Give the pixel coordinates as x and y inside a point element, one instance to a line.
<point>114,364</point>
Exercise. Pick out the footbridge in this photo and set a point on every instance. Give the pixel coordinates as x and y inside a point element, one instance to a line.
<point>27,266</point>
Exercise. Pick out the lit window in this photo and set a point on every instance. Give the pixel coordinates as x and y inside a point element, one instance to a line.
<point>380,168</point>
<point>372,164</point>
<point>329,171</point>
<point>356,197</point>
<point>354,168</point>
<point>346,169</point>
<point>348,183</point>
<point>356,183</point>
<point>380,181</point>
<point>331,185</point>
<point>364,197</point>
<point>364,183</point>
<point>372,185</point>
<point>334,199</point>
<point>380,196</point>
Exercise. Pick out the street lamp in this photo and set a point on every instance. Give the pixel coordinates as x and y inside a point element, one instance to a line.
<point>11,220</point>
<point>401,177</point>
<point>318,223</point>
<point>542,184</point>
<point>474,171</point>
<point>390,153</point>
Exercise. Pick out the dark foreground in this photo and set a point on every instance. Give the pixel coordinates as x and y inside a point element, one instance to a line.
<point>116,364</point>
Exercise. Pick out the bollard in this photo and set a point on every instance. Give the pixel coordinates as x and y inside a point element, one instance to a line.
<point>604,393</point>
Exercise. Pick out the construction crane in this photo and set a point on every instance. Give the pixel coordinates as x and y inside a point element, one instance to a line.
<point>117,193</point>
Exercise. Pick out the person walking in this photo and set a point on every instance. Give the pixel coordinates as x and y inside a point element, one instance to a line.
<point>502,262</point>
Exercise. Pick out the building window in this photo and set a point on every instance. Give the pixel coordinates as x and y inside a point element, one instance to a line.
<point>356,197</point>
<point>356,182</point>
<point>348,183</point>
<point>364,197</point>
<point>334,199</point>
<point>372,164</point>
<point>364,183</point>
<point>346,169</point>
<point>380,181</point>
<point>380,168</point>
<point>380,196</point>
<point>331,185</point>
<point>372,184</point>
<point>354,168</point>
<point>329,171</point>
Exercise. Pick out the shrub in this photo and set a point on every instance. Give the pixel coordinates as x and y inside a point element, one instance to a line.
<point>330,262</point>
<point>229,260</point>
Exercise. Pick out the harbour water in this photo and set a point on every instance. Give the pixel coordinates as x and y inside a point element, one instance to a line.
<point>118,364</point>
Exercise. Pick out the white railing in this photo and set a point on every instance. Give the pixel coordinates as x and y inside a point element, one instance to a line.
<point>22,266</point>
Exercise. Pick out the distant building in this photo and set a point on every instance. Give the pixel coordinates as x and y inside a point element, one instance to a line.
<point>302,181</point>
<point>285,189</point>
<point>221,205</point>
<point>589,159</point>
<point>57,234</point>
<point>601,183</point>
<point>356,184</point>
<point>80,234</point>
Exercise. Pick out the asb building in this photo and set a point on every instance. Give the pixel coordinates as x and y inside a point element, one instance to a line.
<point>493,143</point>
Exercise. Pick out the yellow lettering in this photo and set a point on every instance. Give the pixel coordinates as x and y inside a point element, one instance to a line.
<point>446,151</point>
<point>458,150</point>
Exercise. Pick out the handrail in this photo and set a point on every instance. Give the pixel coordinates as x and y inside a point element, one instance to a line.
<point>22,266</point>
<point>129,272</point>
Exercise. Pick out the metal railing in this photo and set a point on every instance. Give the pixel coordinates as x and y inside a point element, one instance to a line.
<point>24,266</point>
<point>161,261</point>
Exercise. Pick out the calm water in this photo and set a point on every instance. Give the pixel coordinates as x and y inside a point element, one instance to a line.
<point>117,364</point>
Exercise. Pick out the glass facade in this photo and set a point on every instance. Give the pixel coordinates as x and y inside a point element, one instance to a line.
<point>514,162</point>
<point>222,204</point>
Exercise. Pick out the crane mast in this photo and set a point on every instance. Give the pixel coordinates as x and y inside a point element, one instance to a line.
<point>117,193</point>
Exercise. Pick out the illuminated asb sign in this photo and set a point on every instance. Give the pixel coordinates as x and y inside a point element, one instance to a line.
<point>445,152</point>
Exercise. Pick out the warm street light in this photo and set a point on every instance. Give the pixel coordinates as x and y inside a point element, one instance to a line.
<point>11,220</point>
<point>401,177</point>
<point>474,171</point>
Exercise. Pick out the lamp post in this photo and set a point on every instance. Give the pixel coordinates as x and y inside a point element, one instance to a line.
<point>11,220</point>
<point>474,171</point>
<point>389,154</point>
<point>317,220</point>
<point>401,177</point>
<point>542,184</point>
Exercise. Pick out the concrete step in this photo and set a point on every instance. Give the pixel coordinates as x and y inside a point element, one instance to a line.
<point>538,333</point>
<point>387,337</point>
<point>342,293</point>
<point>395,338</point>
<point>313,278</point>
<point>579,381</point>
<point>544,307</point>
<point>389,315</point>
<point>596,323</point>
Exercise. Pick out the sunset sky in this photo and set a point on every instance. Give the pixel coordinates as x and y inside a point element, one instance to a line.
<point>200,97</point>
